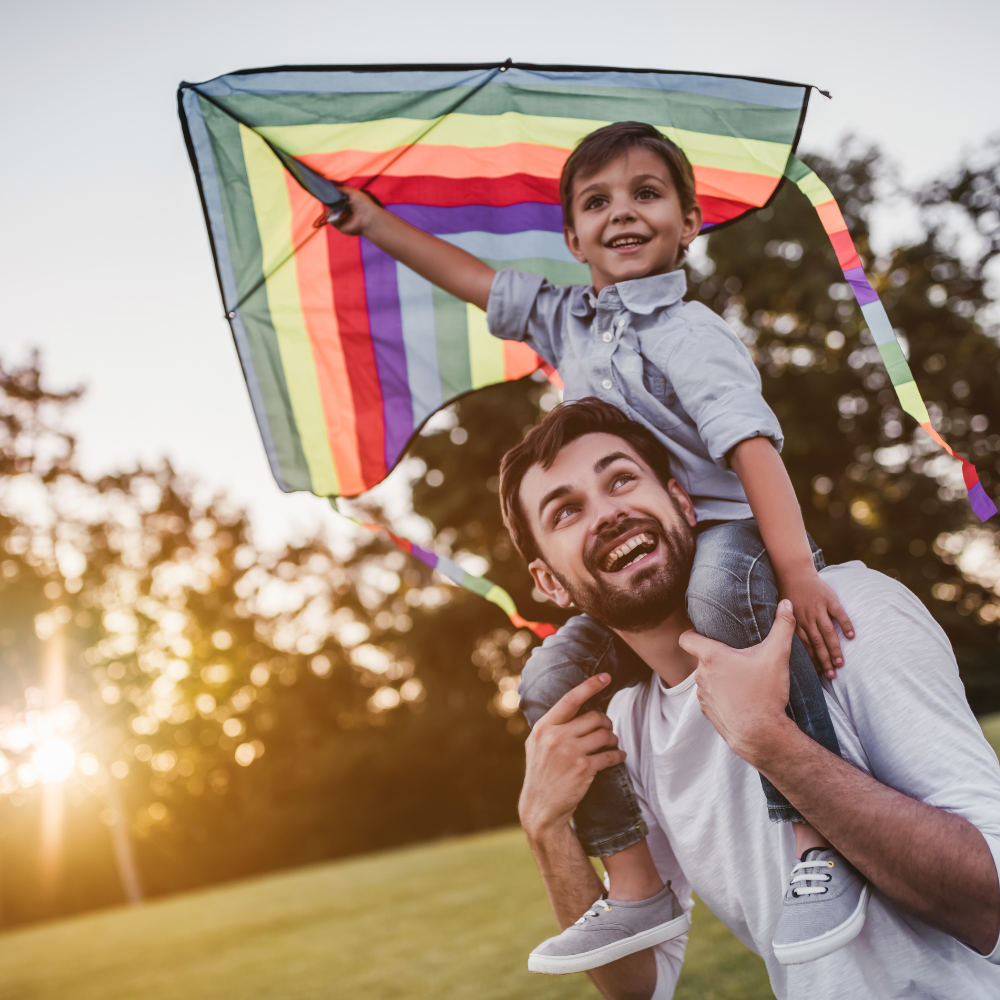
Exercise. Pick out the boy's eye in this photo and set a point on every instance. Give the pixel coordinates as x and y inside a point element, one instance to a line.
<point>597,201</point>
<point>646,194</point>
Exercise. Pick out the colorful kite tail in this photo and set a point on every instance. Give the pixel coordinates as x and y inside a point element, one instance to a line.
<point>450,569</point>
<point>878,322</point>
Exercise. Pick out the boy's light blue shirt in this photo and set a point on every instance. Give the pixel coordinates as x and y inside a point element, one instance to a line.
<point>672,365</point>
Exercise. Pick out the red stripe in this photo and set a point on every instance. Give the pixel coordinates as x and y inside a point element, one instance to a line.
<point>447,192</point>
<point>847,256</point>
<point>716,210</point>
<point>349,300</point>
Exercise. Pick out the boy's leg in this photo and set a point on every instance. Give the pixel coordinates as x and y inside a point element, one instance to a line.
<point>608,818</point>
<point>733,597</point>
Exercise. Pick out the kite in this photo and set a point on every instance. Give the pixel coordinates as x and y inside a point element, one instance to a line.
<point>346,352</point>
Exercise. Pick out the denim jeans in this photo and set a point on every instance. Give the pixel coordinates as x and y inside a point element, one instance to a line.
<point>732,597</point>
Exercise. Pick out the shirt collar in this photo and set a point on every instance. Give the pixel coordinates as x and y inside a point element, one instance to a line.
<point>641,295</point>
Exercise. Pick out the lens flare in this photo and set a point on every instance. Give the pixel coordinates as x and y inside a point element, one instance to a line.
<point>54,761</point>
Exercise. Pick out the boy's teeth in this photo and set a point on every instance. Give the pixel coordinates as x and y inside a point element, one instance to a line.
<point>626,548</point>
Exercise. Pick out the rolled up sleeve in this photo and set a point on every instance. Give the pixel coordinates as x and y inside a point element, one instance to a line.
<point>526,307</point>
<point>718,385</point>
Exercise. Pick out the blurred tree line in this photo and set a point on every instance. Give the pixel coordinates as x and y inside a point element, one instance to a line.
<point>233,710</point>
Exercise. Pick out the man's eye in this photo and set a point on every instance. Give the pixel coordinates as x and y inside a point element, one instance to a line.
<point>561,514</point>
<point>622,479</point>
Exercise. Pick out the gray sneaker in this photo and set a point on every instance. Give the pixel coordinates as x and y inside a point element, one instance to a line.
<point>609,930</point>
<point>823,909</point>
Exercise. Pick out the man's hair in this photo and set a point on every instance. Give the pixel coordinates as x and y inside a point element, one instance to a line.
<point>599,148</point>
<point>543,443</point>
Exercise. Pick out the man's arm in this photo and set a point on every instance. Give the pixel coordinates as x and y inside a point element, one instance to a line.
<point>563,753</point>
<point>447,266</point>
<point>928,861</point>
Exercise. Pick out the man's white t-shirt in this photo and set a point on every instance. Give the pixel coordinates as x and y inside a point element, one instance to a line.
<point>901,715</point>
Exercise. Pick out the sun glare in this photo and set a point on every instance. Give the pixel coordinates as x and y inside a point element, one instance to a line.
<point>54,761</point>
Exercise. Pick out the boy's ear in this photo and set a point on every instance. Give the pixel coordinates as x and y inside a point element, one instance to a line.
<point>573,243</point>
<point>693,220</point>
<point>548,584</point>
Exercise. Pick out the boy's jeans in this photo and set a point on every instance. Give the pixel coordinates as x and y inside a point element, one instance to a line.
<point>731,597</point>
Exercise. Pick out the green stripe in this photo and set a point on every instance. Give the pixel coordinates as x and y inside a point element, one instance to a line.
<point>485,351</point>
<point>274,223</point>
<point>559,272</point>
<point>478,585</point>
<point>247,257</point>
<point>693,112</point>
<point>807,182</point>
<point>451,324</point>
<point>895,363</point>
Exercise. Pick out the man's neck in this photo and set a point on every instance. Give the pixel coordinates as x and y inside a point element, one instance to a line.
<point>659,650</point>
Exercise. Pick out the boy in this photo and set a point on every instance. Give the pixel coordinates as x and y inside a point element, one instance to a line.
<point>630,213</point>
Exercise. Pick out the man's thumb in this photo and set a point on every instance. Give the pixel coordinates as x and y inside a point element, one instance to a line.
<point>784,626</point>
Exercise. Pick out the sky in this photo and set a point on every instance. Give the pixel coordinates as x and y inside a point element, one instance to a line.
<point>105,264</point>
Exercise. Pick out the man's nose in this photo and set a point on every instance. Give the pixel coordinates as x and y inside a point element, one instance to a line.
<point>607,514</point>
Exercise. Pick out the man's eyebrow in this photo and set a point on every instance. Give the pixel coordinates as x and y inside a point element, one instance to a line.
<point>602,463</point>
<point>559,491</point>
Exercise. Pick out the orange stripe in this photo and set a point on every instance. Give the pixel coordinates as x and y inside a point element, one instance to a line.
<point>518,360</point>
<point>937,437</point>
<point>734,185</point>
<point>443,161</point>
<point>829,215</point>
<point>316,295</point>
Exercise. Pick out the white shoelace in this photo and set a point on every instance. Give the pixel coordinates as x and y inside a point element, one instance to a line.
<point>800,874</point>
<point>593,912</point>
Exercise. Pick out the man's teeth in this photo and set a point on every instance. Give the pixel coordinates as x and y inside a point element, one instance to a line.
<point>623,550</point>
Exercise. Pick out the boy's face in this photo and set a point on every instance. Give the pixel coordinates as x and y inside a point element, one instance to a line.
<point>628,221</point>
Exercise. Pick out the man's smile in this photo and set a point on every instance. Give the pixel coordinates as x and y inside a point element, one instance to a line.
<point>631,548</point>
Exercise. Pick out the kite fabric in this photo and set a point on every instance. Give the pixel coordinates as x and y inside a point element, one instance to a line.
<point>346,352</point>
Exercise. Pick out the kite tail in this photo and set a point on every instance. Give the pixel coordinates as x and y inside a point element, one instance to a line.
<point>450,569</point>
<point>878,323</point>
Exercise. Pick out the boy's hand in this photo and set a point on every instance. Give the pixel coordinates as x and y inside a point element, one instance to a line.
<point>816,609</point>
<point>360,213</point>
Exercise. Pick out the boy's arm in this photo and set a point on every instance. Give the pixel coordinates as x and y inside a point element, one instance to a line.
<point>449,267</point>
<point>772,499</point>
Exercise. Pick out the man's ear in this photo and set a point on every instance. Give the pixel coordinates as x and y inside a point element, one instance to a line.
<point>548,584</point>
<point>573,243</point>
<point>683,501</point>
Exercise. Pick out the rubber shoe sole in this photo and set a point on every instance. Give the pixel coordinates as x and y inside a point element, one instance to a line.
<point>559,965</point>
<point>825,944</point>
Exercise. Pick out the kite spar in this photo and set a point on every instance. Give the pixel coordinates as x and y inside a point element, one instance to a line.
<point>347,353</point>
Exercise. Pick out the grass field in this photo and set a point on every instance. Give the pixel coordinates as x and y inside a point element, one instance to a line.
<point>452,920</point>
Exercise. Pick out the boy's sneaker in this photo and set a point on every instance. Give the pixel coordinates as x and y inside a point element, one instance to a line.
<point>609,930</point>
<point>823,909</point>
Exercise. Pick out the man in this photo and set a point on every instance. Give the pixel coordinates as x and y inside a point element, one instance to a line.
<point>914,805</point>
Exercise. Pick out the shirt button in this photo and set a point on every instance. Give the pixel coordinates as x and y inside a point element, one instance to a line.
<point>621,323</point>
<point>607,337</point>
<point>606,383</point>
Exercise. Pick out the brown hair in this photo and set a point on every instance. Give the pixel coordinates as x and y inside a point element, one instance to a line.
<point>543,443</point>
<point>599,148</point>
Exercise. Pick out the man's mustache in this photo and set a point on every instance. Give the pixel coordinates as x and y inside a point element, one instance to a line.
<point>603,542</point>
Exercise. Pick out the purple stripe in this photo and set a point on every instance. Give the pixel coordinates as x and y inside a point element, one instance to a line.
<point>386,328</point>
<point>863,291</point>
<point>982,506</point>
<point>424,556</point>
<point>483,218</point>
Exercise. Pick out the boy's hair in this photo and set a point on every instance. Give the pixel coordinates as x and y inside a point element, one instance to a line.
<point>599,148</point>
<point>543,443</point>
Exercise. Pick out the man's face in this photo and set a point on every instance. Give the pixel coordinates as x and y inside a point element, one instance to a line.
<point>628,221</point>
<point>613,540</point>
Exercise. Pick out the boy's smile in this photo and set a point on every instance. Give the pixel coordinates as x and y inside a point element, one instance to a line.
<point>628,221</point>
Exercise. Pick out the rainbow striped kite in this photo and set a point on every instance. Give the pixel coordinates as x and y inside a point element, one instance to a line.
<point>346,352</point>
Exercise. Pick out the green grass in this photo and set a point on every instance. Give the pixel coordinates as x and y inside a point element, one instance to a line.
<point>453,920</point>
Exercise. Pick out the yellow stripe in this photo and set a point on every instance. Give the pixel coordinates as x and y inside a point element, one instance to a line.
<point>814,189</point>
<point>274,222</point>
<point>485,350</point>
<point>479,131</point>
<point>912,402</point>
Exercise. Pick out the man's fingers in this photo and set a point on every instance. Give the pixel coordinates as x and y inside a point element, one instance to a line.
<point>783,628</point>
<point>837,611</point>
<point>600,740</point>
<point>572,701</point>
<point>698,645</point>
<point>599,761</point>
<point>587,723</point>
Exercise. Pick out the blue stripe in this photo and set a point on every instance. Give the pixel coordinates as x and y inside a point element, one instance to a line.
<point>217,223</point>
<point>513,246</point>
<point>878,322</point>
<point>771,95</point>
<point>416,302</point>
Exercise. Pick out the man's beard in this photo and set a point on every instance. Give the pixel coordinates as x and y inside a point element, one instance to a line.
<point>653,594</point>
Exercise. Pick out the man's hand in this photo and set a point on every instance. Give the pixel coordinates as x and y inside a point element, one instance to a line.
<point>817,607</point>
<point>743,692</point>
<point>563,753</point>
